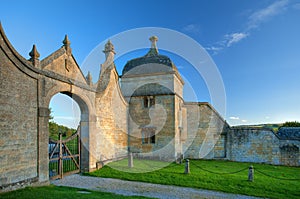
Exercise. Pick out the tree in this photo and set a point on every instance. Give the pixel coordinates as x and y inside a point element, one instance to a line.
<point>69,133</point>
<point>291,124</point>
<point>51,117</point>
<point>55,129</point>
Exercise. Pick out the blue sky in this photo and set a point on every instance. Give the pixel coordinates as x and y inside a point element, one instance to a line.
<point>254,43</point>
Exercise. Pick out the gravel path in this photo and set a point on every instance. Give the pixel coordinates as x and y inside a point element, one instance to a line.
<point>130,188</point>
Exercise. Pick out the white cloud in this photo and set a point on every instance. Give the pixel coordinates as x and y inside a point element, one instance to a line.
<point>214,49</point>
<point>254,21</point>
<point>234,118</point>
<point>234,38</point>
<point>228,40</point>
<point>244,121</point>
<point>296,6</point>
<point>267,117</point>
<point>267,13</point>
<point>191,28</point>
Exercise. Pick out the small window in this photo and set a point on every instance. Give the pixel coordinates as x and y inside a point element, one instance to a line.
<point>148,136</point>
<point>152,139</point>
<point>145,138</point>
<point>149,101</point>
<point>152,101</point>
<point>146,102</point>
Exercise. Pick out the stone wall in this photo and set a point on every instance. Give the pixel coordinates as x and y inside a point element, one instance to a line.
<point>263,146</point>
<point>111,110</point>
<point>210,137</point>
<point>18,124</point>
<point>253,145</point>
<point>206,131</point>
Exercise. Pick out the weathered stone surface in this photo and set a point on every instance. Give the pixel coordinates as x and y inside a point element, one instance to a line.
<point>262,145</point>
<point>18,119</point>
<point>207,132</point>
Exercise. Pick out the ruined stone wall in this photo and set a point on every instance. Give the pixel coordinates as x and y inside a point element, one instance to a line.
<point>206,132</point>
<point>261,145</point>
<point>18,124</point>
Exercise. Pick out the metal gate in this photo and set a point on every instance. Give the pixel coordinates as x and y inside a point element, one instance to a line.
<point>64,156</point>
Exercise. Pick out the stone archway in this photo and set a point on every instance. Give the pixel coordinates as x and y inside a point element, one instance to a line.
<point>27,87</point>
<point>84,128</point>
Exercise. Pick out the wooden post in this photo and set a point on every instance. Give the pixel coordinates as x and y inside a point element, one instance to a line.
<point>187,167</point>
<point>79,148</point>
<point>251,174</point>
<point>60,161</point>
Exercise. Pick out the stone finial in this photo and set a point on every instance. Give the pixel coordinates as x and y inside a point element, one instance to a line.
<point>153,50</point>
<point>34,53</point>
<point>153,40</point>
<point>34,56</point>
<point>109,49</point>
<point>66,41</point>
<point>89,78</point>
<point>67,44</point>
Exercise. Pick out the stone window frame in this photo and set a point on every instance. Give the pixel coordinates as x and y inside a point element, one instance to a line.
<point>149,101</point>
<point>148,135</point>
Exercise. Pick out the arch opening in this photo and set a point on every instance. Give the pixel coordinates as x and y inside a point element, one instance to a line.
<point>70,117</point>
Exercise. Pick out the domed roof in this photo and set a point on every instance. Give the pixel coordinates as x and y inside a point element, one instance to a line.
<point>151,63</point>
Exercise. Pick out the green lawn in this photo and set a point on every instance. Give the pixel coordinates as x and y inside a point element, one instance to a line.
<point>263,186</point>
<point>54,192</point>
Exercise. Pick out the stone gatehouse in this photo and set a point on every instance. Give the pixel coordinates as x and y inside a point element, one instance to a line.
<point>140,111</point>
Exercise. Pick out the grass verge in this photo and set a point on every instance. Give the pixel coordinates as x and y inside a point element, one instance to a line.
<point>55,192</point>
<point>269,181</point>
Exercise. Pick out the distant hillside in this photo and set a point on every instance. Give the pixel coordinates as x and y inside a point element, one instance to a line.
<point>274,127</point>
